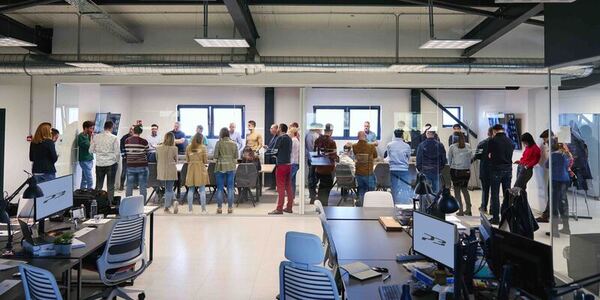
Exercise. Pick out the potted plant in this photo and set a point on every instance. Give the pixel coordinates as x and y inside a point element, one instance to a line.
<point>62,244</point>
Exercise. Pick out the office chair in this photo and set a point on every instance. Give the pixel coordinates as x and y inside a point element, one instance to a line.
<point>125,250</point>
<point>345,181</point>
<point>212,181</point>
<point>378,199</point>
<point>246,178</point>
<point>153,183</point>
<point>383,176</point>
<point>300,277</point>
<point>182,176</point>
<point>38,283</point>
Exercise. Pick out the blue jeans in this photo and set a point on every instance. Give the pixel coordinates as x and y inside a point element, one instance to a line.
<point>221,178</point>
<point>190,196</point>
<point>44,177</point>
<point>434,179</point>
<point>499,177</point>
<point>169,193</point>
<point>87,182</point>
<point>295,168</point>
<point>139,176</point>
<point>401,189</point>
<point>365,184</point>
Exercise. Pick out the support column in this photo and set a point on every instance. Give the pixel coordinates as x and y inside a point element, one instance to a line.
<point>269,112</point>
<point>302,171</point>
<point>415,107</point>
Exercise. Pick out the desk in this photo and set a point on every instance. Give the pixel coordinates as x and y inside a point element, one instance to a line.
<point>358,213</point>
<point>367,240</point>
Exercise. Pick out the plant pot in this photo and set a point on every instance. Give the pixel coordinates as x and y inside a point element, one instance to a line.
<point>62,249</point>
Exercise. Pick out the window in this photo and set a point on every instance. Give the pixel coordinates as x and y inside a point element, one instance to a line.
<point>347,121</point>
<point>448,121</point>
<point>211,117</point>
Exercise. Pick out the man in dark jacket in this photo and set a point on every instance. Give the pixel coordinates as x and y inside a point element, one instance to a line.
<point>270,157</point>
<point>484,169</point>
<point>500,152</point>
<point>431,158</point>
<point>282,151</point>
<point>456,132</point>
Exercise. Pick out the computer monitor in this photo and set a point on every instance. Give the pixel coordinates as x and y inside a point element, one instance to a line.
<point>531,262</point>
<point>435,239</point>
<point>58,196</point>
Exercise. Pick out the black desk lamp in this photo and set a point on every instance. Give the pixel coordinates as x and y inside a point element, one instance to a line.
<point>32,191</point>
<point>446,203</point>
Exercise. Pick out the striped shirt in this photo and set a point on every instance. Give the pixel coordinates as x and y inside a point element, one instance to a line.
<point>136,149</point>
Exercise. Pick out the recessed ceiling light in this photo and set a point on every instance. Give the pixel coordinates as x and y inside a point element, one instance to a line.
<point>88,65</point>
<point>223,43</point>
<point>407,68</point>
<point>449,44</point>
<point>535,1</point>
<point>247,65</point>
<point>12,42</point>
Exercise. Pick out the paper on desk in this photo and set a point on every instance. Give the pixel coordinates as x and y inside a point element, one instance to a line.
<point>93,222</point>
<point>7,284</point>
<point>77,244</point>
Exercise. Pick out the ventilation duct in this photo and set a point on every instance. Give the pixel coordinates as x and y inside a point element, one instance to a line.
<point>220,64</point>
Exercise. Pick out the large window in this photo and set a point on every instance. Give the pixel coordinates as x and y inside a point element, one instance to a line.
<point>347,121</point>
<point>447,120</point>
<point>211,117</point>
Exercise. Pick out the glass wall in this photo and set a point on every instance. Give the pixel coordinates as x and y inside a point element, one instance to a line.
<point>575,170</point>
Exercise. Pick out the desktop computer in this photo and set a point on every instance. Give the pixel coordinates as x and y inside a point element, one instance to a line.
<point>58,196</point>
<point>435,239</point>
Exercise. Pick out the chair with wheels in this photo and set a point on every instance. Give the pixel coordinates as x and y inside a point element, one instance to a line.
<point>246,178</point>
<point>378,199</point>
<point>39,283</point>
<point>212,181</point>
<point>182,176</point>
<point>383,176</point>
<point>154,184</point>
<point>300,277</point>
<point>124,257</point>
<point>345,181</point>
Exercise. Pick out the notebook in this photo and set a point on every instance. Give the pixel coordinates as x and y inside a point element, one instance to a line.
<point>360,271</point>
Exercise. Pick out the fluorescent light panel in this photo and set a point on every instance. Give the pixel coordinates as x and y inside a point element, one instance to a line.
<point>223,43</point>
<point>449,44</point>
<point>88,65</point>
<point>12,42</point>
<point>247,66</point>
<point>535,1</point>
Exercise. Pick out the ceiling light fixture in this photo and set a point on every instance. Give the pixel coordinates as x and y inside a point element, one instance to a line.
<point>218,42</point>
<point>88,65</point>
<point>247,65</point>
<point>434,43</point>
<point>13,42</point>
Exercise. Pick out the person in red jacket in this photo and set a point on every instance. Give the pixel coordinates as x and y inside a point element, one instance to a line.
<point>531,157</point>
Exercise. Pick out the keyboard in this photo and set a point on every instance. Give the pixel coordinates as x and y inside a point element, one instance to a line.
<point>390,292</point>
<point>81,232</point>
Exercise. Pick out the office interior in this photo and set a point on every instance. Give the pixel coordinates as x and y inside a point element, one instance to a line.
<point>339,64</point>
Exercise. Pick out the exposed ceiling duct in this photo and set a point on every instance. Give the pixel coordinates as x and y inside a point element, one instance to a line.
<point>99,16</point>
<point>230,64</point>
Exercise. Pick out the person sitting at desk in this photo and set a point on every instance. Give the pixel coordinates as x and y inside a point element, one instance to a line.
<point>327,146</point>
<point>166,168</point>
<point>249,156</point>
<point>365,155</point>
<point>347,158</point>
<point>179,137</point>
<point>197,174</point>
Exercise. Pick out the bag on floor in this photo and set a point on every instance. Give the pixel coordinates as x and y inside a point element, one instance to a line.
<point>86,197</point>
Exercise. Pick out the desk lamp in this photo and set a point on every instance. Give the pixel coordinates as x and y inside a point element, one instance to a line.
<point>32,191</point>
<point>445,204</point>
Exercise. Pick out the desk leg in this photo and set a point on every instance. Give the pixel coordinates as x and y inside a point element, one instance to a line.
<point>79,283</point>
<point>69,284</point>
<point>151,238</point>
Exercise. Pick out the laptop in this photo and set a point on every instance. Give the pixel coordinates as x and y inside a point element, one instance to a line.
<point>28,235</point>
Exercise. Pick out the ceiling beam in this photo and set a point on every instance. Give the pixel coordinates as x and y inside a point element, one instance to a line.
<point>470,10</point>
<point>24,4</point>
<point>469,3</point>
<point>491,29</point>
<point>242,18</point>
<point>42,37</point>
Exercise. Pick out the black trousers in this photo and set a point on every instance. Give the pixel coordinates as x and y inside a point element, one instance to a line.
<point>110,172</point>
<point>523,177</point>
<point>123,173</point>
<point>325,186</point>
<point>312,183</point>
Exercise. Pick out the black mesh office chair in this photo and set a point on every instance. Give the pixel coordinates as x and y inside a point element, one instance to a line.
<point>383,177</point>
<point>246,178</point>
<point>345,181</point>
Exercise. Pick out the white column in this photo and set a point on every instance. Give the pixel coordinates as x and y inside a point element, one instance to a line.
<point>302,163</point>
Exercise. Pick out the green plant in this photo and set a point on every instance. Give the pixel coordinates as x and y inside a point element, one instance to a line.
<point>64,239</point>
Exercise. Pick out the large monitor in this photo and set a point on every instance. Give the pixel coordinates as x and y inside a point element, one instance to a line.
<point>58,196</point>
<point>530,261</point>
<point>434,238</point>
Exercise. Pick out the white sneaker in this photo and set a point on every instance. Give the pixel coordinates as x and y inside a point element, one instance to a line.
<point>190,210</point>
<point>175,207</point>
<point>204,212</point>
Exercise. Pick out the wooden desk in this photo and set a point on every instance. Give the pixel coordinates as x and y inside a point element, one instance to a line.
<point>358,213</point>
<point>367,240</point>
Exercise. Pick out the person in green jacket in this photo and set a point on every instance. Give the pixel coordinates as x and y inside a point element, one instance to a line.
<point>226,155</point>
<point>86,159</point>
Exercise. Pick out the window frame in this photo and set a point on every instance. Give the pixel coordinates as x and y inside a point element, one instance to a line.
<point>347,108</point>
<point>460,115</point>
<point>211,130</point>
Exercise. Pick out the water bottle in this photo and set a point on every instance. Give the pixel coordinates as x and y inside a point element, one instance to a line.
<point>93,209</point>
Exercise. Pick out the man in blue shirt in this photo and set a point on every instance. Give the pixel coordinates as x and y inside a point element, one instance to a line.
<point>235,136</point>
<point>371,136</point>
<point>180,140</point>
<point>398,154</point>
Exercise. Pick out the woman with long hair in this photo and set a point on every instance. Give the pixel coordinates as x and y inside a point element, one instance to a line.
<point>225,154</point>
<point>166,169</point>
<point>295,157</point>
<point>197,174</point>
<point>531,157</point>
<point>459,159</point>
<point>42,154</point>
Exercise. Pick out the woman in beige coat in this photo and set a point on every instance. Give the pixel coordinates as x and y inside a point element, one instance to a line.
<point>197,174</point>
<point>166,168</point>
